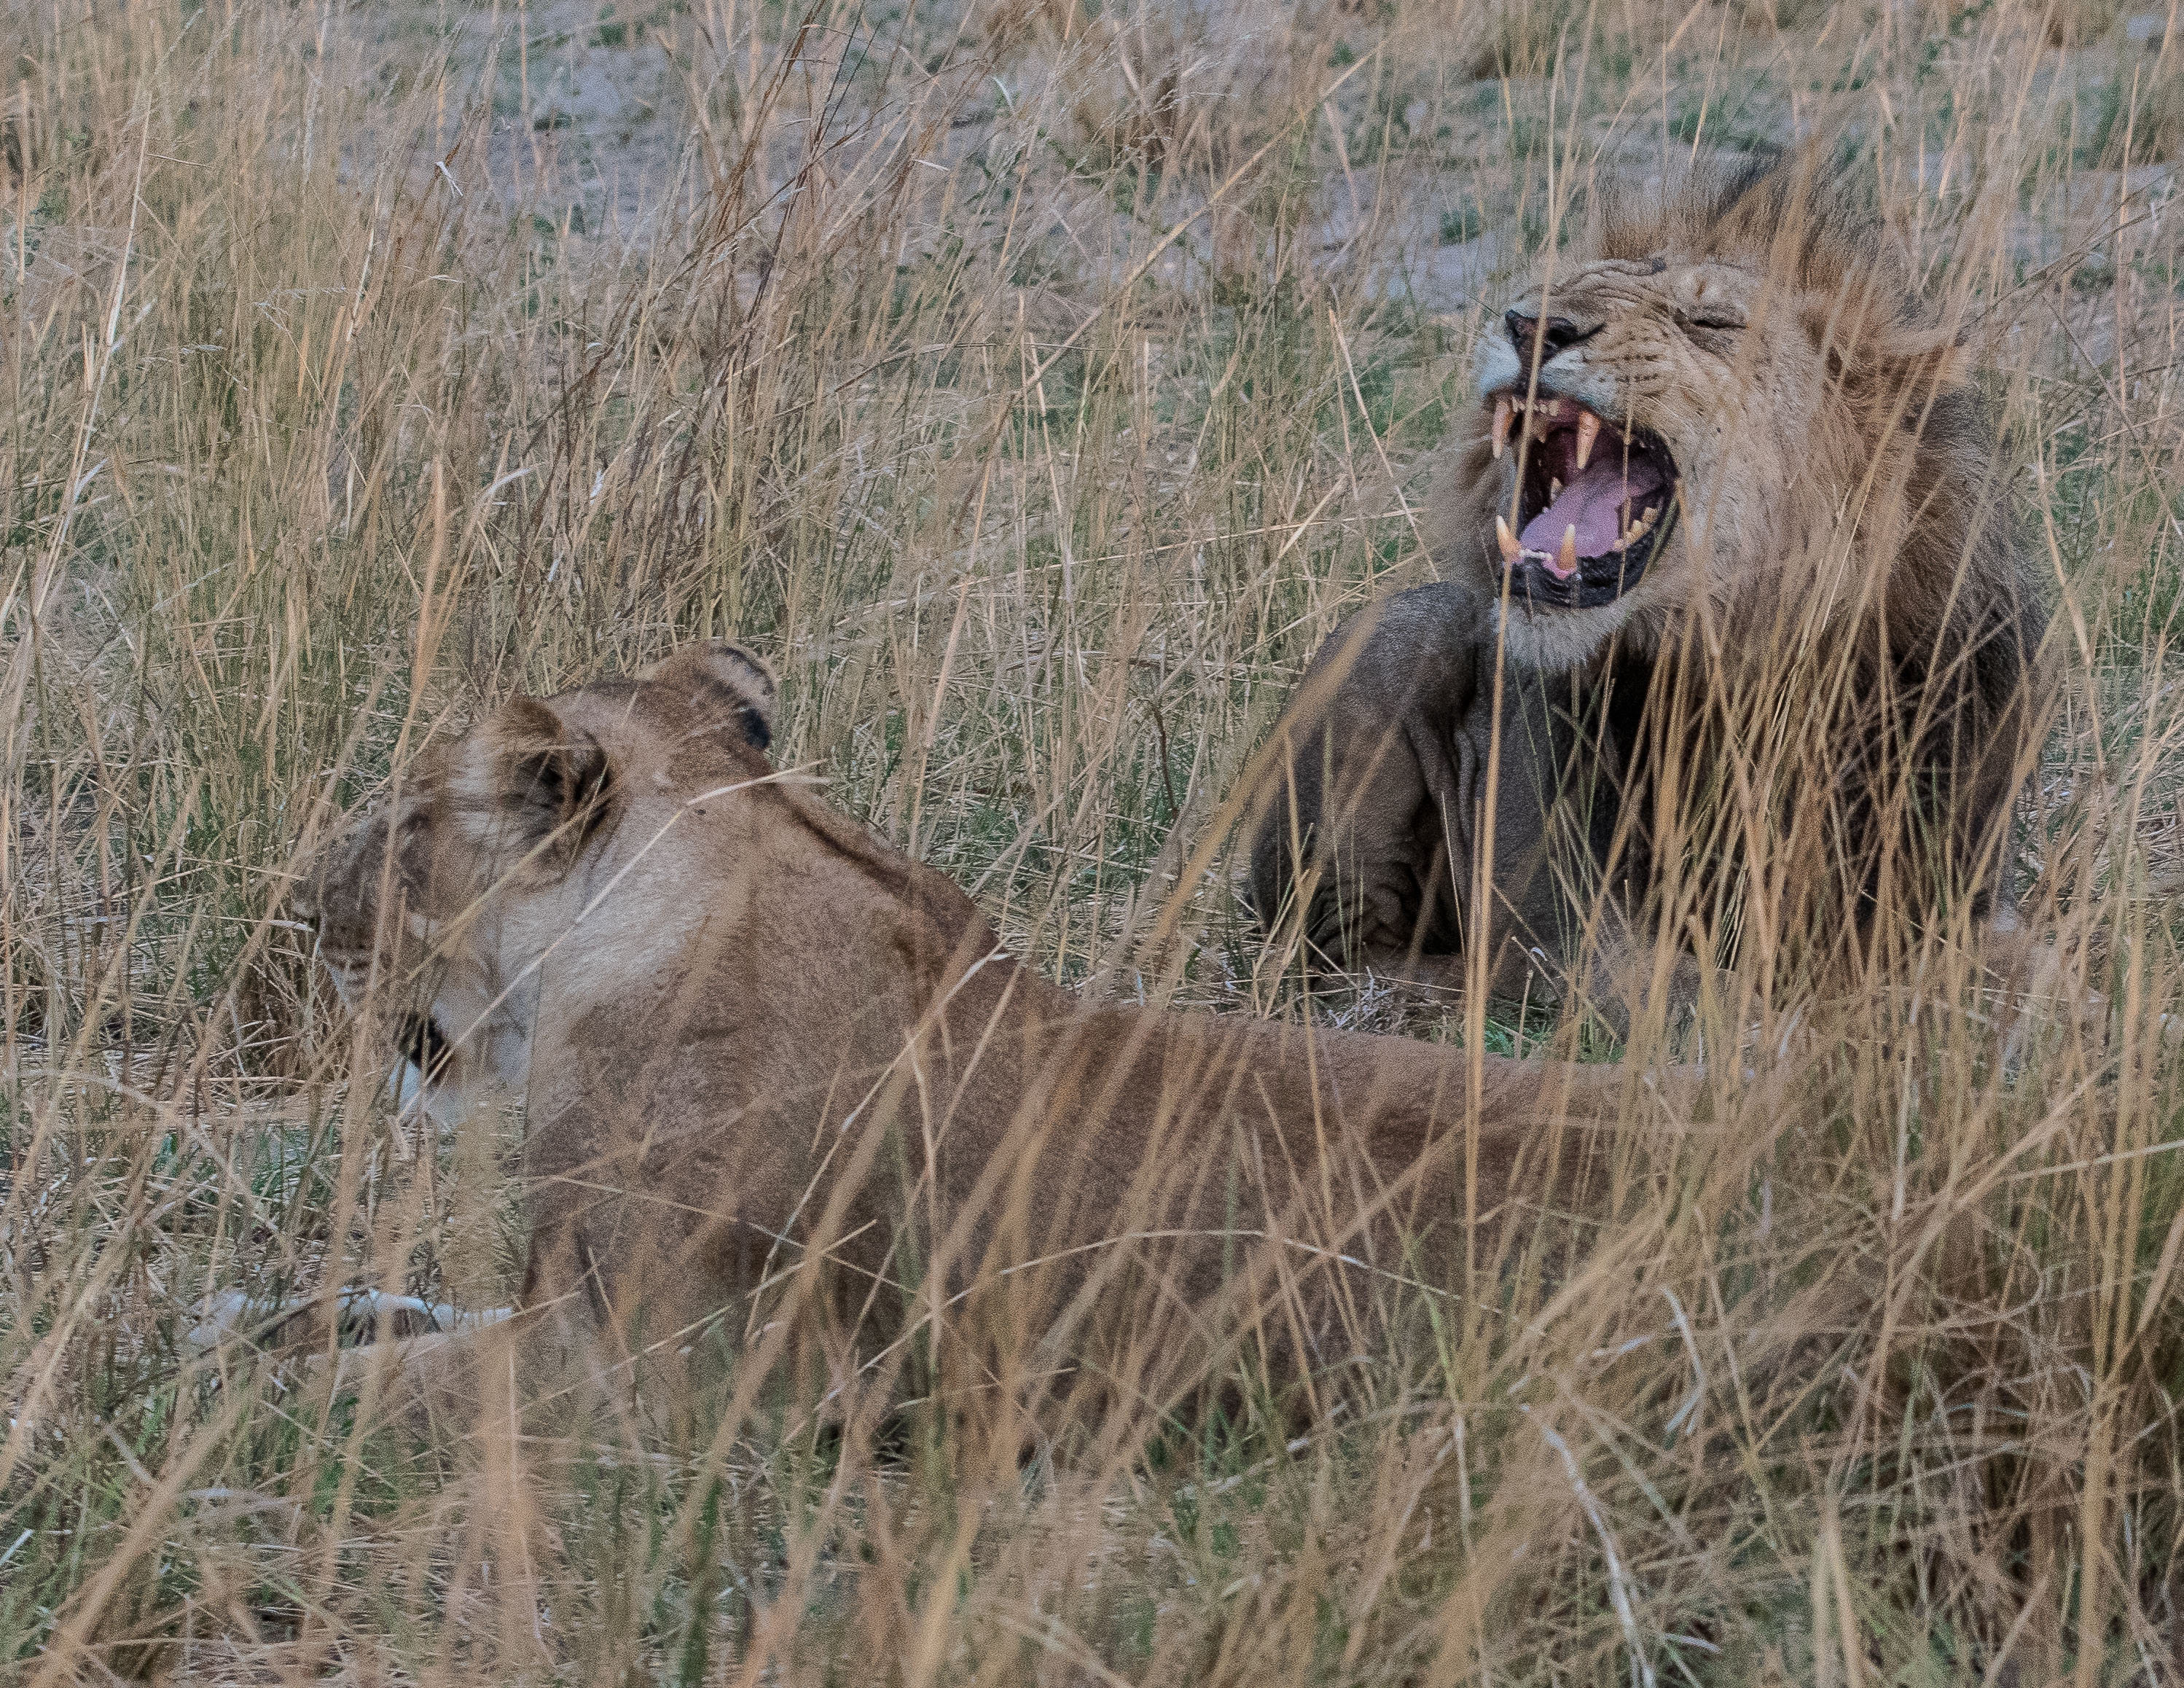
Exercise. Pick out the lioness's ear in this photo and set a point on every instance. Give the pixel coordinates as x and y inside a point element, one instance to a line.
<point>742,676</point>
<point>550,781</point>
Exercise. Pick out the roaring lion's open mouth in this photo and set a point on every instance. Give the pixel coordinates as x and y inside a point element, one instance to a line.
<point>1595,502</point>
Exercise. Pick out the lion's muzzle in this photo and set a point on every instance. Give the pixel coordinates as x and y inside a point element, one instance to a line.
<point>1595,502</point>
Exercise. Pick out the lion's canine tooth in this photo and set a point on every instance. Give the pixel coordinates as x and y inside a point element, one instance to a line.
<point>1511,550</point>
<point>1566,562</point>
<point>1554,488</point>
<point>1501,425</point>
<point>1588,431</point>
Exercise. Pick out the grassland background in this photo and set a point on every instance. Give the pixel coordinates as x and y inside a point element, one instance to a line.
<point>1035,385</point>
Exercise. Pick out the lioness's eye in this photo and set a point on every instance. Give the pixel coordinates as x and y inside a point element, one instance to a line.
<point>1721,324</point>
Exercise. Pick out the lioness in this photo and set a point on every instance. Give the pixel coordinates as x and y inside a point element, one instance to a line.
<point>1728,544</point>
<point>771,1064</point>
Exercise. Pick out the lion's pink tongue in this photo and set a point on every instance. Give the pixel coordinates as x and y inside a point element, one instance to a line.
<point>1593,504</point>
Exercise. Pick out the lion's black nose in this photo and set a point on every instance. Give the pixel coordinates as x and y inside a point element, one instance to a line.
<point>1525,333</point>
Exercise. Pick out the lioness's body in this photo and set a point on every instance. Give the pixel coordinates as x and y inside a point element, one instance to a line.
<point>1822,661</point>
<point>767,1060</point>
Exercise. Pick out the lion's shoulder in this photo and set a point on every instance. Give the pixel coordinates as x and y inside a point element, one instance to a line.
<point>1421,650</point>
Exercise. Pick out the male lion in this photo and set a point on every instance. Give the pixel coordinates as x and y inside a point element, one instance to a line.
<point>1727,539</point>
<point>776,1074</point>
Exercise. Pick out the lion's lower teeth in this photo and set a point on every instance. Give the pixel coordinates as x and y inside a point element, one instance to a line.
<point>1639,529</point>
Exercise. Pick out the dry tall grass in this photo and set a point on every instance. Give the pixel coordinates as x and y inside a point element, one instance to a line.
<point>1037,384</point>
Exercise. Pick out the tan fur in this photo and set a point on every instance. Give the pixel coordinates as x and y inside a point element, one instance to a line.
<point>1830,666</point>
<point>778,1073</point>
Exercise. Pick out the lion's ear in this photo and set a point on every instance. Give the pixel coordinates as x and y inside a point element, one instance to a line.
<point>550,781</point>
<point>742,678</point>
<point>1875,358</point>
<point>1920,363</point>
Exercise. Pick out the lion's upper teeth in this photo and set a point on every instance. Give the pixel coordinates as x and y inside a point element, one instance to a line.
<point>1588,431</point>
<point>1554,488</point>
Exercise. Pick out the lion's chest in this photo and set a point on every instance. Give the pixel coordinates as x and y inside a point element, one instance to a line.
<point>1531,795</point>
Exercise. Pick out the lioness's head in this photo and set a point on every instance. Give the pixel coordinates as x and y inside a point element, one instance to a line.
<point>444,903</point>
<point>1706,401</point>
